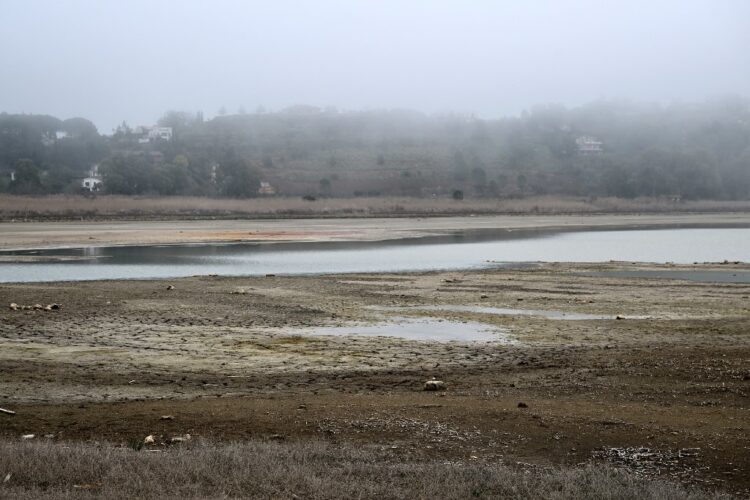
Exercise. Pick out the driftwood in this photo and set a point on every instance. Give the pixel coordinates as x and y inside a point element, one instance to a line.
<point>7,412</point>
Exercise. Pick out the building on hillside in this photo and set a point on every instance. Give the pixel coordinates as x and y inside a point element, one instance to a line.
<point>147,134</point>
<point>94,181</point>
<point>266,189</point>
<point>51,138</point>
<point>91,184</point>
<point>214,169</point>
<point>589,145</point>
<point>156,157</point>
<point>160,133</point>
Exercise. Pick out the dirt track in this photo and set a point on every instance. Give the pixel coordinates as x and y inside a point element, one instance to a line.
<point>230,358</point>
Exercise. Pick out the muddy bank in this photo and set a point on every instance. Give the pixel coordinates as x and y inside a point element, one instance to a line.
<point>232,358</point>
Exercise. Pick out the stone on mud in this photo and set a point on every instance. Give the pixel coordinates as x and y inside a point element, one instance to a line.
<point>434,385</point>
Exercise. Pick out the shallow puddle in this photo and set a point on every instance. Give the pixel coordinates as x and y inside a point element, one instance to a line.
<point>423,329</point>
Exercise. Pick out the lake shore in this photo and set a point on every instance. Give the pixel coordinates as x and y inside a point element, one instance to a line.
<point>233,359</point>
<point>122,208</point>
<point>37,235</point>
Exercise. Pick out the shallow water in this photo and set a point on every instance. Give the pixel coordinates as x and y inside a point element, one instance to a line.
<point>460,251</point>
<point>500,311</point>
<point>421,329</point>
<point>729,276</point>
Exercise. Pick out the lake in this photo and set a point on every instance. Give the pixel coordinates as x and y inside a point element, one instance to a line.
<point>470,250</point>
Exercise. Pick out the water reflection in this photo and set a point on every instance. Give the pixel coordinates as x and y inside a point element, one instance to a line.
<point>501,311</point>
<point>422,329</point>
<point>459,251</point>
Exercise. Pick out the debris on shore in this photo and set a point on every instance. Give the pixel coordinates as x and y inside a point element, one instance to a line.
<point>35,307</point>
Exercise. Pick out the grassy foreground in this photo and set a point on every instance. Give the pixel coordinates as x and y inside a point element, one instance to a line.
<point>61,207</point>
<point>312,469</point>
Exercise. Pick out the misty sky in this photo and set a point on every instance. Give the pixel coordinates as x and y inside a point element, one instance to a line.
<point>132,60</point>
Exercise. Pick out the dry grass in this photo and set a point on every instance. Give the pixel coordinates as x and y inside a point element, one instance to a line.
<point>109,207</point>
<point>294,470</point>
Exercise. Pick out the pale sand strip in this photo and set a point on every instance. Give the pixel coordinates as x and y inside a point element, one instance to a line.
<point>24,235</point>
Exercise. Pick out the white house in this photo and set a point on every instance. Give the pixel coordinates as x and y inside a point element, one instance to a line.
<point>266,188</point>
<point>148,134</point>
<point>162,133</point>
<point>589,145</point>
<point>93,182</point>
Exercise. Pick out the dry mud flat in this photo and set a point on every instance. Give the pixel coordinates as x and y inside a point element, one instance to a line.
<point>664,390</point>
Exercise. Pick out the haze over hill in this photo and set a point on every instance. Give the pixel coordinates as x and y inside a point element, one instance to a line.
<point>689,151</point>
<point>115,61</point>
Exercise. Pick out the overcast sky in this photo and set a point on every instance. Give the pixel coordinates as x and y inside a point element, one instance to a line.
<point>132,60</point>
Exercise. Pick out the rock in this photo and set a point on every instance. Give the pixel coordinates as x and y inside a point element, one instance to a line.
<point>180,439</point>
<point>87,486</point>
<point>484,296</point>
<point>522,405</point>
<point>26,437</point>
<point>170,287</point>
<point>434,385</point>
<point>36,307</point>
<point>166,417</point>
<point>619,316</point>
<point>149,439</point>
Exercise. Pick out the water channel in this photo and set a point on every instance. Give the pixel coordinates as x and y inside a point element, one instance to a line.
<point>469,250</point>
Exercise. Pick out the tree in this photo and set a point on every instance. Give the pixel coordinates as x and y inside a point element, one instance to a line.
<point>238,179</point>
<point>521,182</point>
<point>80,128</point>
<point>27,178</point>
<point>325,187</point>
<point>126,174</point>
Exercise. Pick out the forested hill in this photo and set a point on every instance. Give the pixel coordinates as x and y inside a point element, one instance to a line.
<point>604,148</point>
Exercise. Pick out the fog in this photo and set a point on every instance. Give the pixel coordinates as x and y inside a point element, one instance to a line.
<point>115,61</point>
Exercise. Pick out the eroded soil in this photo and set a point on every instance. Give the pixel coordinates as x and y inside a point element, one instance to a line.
<point>665,390</point>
